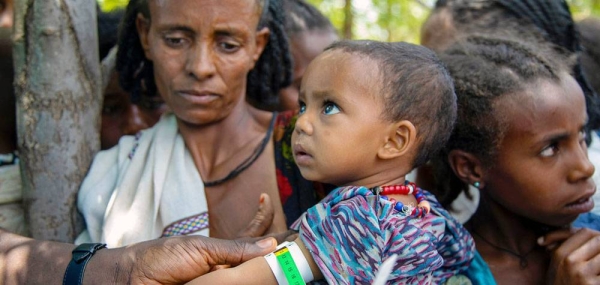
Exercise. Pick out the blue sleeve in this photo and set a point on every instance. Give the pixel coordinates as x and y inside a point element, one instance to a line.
<point>588,220</point>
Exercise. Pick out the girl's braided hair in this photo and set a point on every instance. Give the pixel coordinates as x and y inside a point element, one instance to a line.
<point>301,16</point>
<point>589,32</point>
<point>272,72</point>
<point>484,70</point>
<point>533,20</point>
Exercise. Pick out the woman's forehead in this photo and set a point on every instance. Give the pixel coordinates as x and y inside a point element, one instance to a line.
<point>544,106</point>
<point>195,14</point>
<point>256,4</point>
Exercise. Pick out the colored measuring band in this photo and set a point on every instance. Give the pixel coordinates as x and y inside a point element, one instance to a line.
<point>290,270</point>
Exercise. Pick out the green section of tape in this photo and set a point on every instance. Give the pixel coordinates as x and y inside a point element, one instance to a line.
<point>292,274</point>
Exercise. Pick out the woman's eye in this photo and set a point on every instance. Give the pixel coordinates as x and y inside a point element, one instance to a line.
<point>229,47</point>
<point>302,107</point>
<point>550,150</point>
<point>330,108</point>
<point>174,41</point>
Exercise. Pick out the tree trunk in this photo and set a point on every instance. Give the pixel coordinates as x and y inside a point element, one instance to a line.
<point>58,90</point>
<point>348,19</point>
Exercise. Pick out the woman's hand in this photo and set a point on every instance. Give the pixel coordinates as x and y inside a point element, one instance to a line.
<point>178,260</point>
<point>575,256</point>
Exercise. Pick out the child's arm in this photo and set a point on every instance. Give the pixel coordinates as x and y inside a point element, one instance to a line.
<point>255,271</point>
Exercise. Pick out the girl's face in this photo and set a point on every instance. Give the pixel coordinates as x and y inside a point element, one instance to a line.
<point>202,52</point>
<point>6,13</point>
<point>541,170</point>
<point>122,117</point>
<point>304,47</point>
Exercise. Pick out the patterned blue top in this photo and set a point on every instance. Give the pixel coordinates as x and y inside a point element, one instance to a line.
<point>588,220</point>
<point>352,231</point>
<point>480,273</point>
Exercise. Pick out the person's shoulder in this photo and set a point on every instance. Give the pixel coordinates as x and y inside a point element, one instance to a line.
<point>284,126</point>
<point>286,118</point>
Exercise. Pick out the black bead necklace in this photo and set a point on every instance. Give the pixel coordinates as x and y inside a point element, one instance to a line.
<point>523,263</point>
<point>249,160</point>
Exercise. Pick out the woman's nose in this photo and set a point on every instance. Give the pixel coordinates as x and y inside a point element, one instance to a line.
<point>200,63</point>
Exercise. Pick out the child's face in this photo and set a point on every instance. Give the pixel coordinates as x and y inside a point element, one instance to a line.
<point>542,171</point>
<point>339,127</point>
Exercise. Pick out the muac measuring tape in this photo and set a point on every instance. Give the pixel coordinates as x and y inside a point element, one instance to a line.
<point>289,265</point>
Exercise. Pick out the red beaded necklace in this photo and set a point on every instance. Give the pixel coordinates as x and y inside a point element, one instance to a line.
<point>423,207</point>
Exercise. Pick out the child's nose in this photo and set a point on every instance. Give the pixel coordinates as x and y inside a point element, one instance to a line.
<point>303,124</point>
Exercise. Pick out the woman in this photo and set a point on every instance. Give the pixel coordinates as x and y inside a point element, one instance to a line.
<point>213,155</point>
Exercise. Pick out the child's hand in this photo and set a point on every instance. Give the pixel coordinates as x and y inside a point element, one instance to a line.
<point>262,220</point>
<point>575,256</point>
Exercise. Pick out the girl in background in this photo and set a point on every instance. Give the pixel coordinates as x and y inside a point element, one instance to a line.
<point>520,139</point>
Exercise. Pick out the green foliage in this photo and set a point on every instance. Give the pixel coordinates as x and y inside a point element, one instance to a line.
<point>584,8</point>
<point>109,5</point>
<point>401,20</point>
<point>388,20</point>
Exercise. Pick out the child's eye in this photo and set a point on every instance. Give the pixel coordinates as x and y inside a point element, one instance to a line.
<point>302,107</point>
<point>550,150</point>
<point>330,108</point>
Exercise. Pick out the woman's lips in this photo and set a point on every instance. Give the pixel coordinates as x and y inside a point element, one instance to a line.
<point>203,97</point>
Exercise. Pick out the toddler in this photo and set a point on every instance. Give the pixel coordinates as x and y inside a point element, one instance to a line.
<point>370,112</point>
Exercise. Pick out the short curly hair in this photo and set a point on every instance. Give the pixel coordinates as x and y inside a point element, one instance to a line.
<point>417,87</point>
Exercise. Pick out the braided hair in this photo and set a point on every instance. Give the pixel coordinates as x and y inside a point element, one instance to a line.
<point>589,31</point>
<point>485,70</point>
<point>108,28</point>
<point>537,21</point>
<point>301,16</point>
<point>272,72</point>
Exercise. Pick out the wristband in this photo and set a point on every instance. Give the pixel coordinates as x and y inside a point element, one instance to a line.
<point>81,255</point>
<point>289,265</point>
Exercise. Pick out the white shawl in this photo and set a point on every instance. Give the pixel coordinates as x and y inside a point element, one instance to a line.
<point>142,186</point>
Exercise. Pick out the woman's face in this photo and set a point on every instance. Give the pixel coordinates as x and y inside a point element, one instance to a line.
<point>202,52</point>
<point>542,171</point>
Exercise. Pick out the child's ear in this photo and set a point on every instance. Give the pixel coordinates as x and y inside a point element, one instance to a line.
<point>143,28</point>
<point>467,167</point>
<point>400,141</point>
